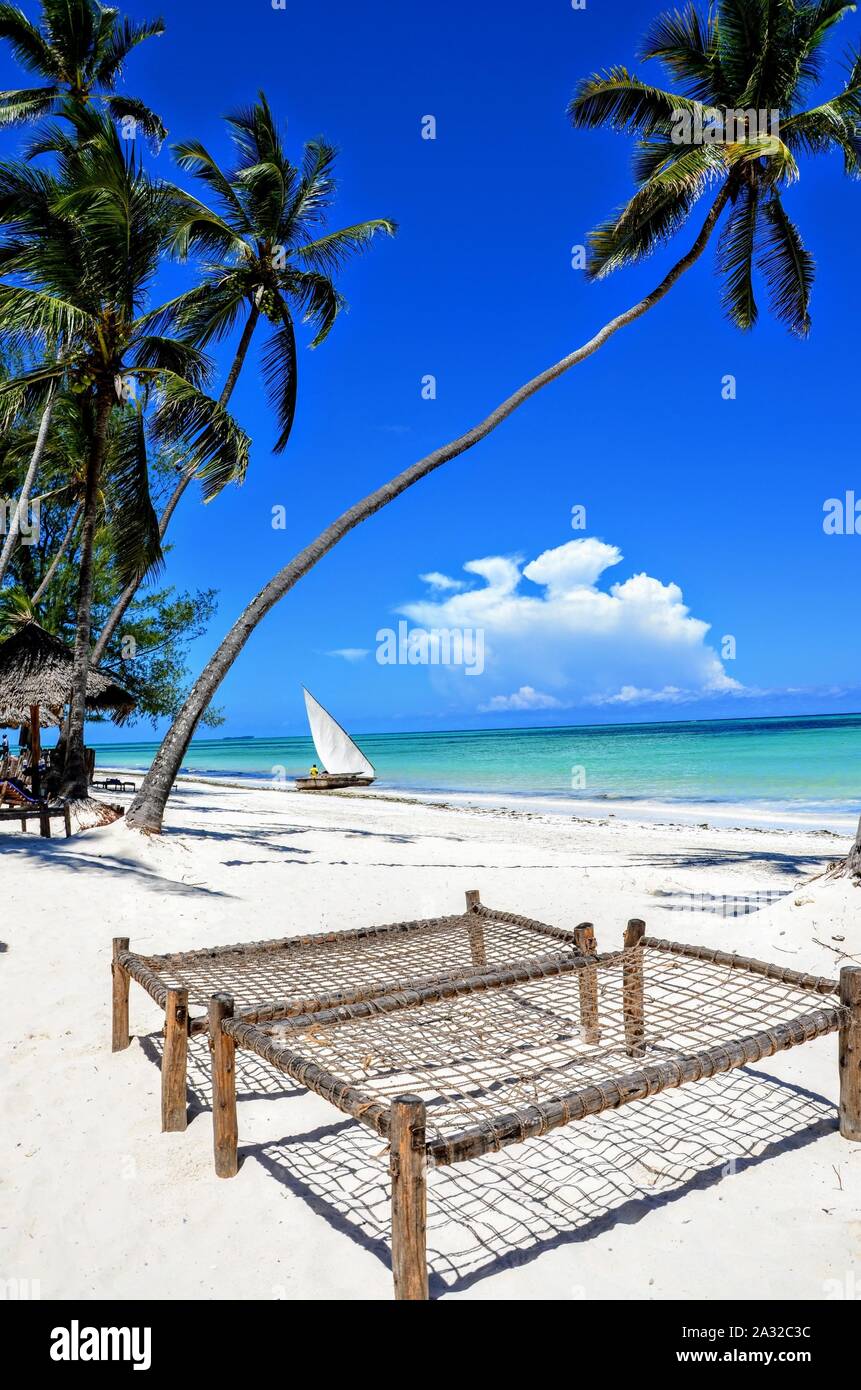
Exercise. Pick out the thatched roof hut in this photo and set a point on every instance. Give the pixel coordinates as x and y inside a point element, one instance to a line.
<point>36,669</point>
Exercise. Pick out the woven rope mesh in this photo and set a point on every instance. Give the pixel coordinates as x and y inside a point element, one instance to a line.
<point>264,975</point>
<point>487,1053</point>
<point>509,1208</point>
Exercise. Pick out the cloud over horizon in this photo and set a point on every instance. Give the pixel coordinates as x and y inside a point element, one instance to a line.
<point>554,638</point>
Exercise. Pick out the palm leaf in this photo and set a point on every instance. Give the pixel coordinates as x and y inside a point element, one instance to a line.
<point>134,531</point>
<point>788,268</point>
<point>686,44</point>
<point>27,105</point>
<point>736,255</point>
<point>28,45</point>
<point>620,101</point>
<point>279,373</point>
<point>329,253</point>
<point>122,38</point>
<point>217,447</point>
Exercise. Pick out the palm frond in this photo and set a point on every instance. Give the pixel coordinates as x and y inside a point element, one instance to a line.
<point>656,211</point>
<point>618,100</point>
<point>736,252</point>
<point>195,159</point>
<point>330,253</point>
<point>686,44</point>
<point>217,447</point>
<point>124,108</point>
<point>787,266</point>
<point>134,531</point>
<point>29,104</point>
<point>279,374</point>
<point>121,39</point>
<point>29,46</point>
<point>316,298</point>
<point>173,355</point>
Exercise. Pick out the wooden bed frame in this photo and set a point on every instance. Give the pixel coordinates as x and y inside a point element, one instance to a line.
<point>587,1015</point>
<point>270,980</point>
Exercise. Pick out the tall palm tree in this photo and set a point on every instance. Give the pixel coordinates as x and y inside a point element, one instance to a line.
<point>743,53</point>
<point>81,250</point>
<point>78,50</point>
<point>269,256</point>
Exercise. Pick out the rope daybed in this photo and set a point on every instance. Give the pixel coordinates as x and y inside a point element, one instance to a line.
<point>453,1070</point>
<point>269,980</point>
<point>453,1037</point>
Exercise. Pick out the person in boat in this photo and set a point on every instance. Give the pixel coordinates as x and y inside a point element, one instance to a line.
<point>315,771</point>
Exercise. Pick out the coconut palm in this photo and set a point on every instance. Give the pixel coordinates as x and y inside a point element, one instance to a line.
<point>268,256</point>
<point>80,48</point>
<point>82,247</point>
<point>742,54</point>
<point>78,51</point>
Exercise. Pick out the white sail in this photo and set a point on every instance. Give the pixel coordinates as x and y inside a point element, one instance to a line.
<point>335,749</point>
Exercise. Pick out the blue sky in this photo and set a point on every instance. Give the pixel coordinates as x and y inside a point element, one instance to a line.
<point>722,499</point>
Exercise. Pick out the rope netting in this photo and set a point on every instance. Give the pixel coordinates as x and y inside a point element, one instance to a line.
<point>315,971</point>
<point>499,1064</point>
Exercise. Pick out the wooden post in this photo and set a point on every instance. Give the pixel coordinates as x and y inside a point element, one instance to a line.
<point>225,1132</point>
<point>850,1053</point>
<point>67,820</point>
<point>476,928</point>
<point>174,1061</point>
<point>36,752</point>
<point>120,1002</point>
<point>408,1167</point>
<point>590,1032</point>
<point>45,826</point>
<point>632,988</point>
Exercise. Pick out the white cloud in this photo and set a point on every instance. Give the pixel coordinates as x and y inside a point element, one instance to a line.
<point>442,582</point>
<point>350,653</point>
<point>524,698</point>
<point>552,631</point>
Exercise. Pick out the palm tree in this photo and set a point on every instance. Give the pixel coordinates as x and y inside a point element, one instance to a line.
<point>743,53</point>
<point>78,51</point>
<point>83,245</point>
<point>269,257</point>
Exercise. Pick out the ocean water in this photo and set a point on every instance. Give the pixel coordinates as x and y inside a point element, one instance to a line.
<point>809,767</point>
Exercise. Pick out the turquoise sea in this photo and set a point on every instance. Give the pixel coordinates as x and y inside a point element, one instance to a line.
<point>798,765</point>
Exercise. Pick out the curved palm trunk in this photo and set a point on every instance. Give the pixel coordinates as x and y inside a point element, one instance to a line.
<point>24,498</point>
<point>147,810</point>
<point>75,784</point>
<point>851,866</point>
<point>63,547</point>
<point>120,608</point>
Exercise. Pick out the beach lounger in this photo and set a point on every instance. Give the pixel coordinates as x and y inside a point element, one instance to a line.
<point>114,784</point>
<point>17,804</point>
<point>454,1071</point>
<point>298,974</point>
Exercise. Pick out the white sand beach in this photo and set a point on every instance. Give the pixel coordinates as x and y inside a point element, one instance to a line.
<point>735,1187</point>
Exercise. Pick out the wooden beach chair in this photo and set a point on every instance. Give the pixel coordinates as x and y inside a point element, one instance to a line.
<point>17,804</point>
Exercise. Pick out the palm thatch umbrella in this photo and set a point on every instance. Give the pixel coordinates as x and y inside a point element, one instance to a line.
<point>36,680</point>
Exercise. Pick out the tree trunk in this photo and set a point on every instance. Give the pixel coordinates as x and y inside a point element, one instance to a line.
<point>120,608</point>
<point>147,809</point>
<point>24,499</point>
<point>851,866</point>
<point>64,545</point>
<point>75,783</point>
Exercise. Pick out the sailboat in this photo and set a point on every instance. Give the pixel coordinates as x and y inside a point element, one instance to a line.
<point>345,764</point>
